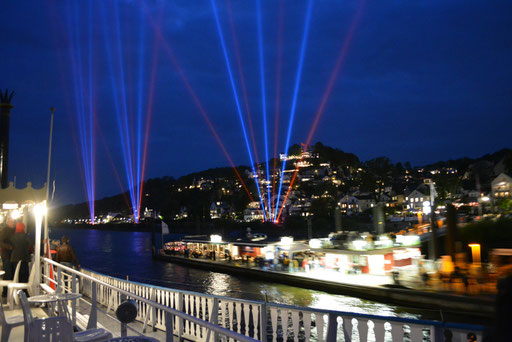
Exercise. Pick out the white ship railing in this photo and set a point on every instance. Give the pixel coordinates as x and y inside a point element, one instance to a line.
<point>170,320</point>
<point>258,320</point>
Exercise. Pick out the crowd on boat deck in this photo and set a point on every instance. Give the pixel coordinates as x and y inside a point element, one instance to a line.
<point>17,246</point>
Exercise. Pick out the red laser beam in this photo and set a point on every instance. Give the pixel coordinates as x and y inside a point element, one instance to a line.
<point>198,104</point>
<point>335,72</point>
<point>149,111</point>
<point>69,107</point>
<point>114,168</point>
<point>243,86</point>
<point>334,75</point>
<point>242,78</point>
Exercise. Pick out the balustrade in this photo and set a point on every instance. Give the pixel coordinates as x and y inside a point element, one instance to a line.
<point>260,320</point>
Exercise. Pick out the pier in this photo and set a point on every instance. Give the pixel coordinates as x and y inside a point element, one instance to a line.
<point>482,306</point>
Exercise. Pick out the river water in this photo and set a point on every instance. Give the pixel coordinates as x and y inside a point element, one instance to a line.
<point>128,254</point>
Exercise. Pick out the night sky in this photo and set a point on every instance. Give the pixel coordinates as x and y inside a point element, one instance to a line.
<point>420,81</point>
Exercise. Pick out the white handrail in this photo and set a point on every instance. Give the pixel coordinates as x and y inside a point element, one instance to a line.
<point>256,318</point>
<point>215,328</point>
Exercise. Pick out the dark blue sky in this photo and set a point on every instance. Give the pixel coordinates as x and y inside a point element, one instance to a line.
<point>422,81</point>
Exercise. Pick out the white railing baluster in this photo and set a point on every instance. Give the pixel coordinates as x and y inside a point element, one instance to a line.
<point>203,317</point>
<point>198,313</point>
<point>231,311</point>
<point>284,324</point>
<point>319,320</point>
<point>238,310</point>
<point>222,314</point>
<point>187,311</point>
<point>213,309</point>
<point>247,312</point>
<point>306,318</point>
<point>180,320</point>
<point>255,314</point>
<point>273,320</point>
<point>295,325</point>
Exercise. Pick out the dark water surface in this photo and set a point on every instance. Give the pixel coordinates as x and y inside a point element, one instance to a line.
<point>128,254</point>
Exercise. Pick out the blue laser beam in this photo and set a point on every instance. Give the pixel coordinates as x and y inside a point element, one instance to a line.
<point>237,102</point>
<point>118,88</point>
<point>295,94</point>
<point>91,104</point>
<point>140,114</point>
<point>127,142</point>
<point>263,99</point>
<point>83,103</point>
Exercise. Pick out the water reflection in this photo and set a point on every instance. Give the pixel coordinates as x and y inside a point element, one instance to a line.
<point>217,284</point>
<point>139,243</point>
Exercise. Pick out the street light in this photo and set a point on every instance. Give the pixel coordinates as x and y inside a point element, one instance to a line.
<point>480,201</point>
<point>39,211</point>
<point>427,209</point>
<point>475,252</point>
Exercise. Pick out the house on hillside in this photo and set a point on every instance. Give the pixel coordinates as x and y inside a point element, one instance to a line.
<point>218,209</point>
<point>183,213</point>
<point>253,212</point>
<point>301,207</point>
<point>416,198</point>
<point>501,187</point>
<point>366,201</point>
<point>349,204</point>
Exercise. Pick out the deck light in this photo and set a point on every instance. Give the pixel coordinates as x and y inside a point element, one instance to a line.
<point>15,214</point>
<point>475,252</point>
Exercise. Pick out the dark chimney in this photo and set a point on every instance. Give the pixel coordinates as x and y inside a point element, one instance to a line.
<point>5,115</point>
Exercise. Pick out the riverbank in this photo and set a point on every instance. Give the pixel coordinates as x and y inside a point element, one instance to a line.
<point>144,227</point>
<point>479,307</point>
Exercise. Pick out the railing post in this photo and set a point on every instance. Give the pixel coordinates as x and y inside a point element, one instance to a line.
<point>332,328</point>
<point>180,320</point>
<point>214,319</point>
<point>73,302</point>
<point>123,325</point>
<point>93,315</point>
<point>59,278</point>
<point>152,297</point>
<point>169,334</point>
<point>46,272</point>
<point>263,322</point>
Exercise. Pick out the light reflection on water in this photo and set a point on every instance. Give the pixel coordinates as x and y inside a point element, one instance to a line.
<point>123,254</point>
